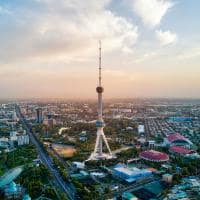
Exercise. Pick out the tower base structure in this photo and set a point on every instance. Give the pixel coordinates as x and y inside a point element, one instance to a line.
<point>104,156</point>
<point>98,153</point>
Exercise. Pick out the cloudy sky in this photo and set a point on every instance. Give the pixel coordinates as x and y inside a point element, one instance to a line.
<point>49,48</point>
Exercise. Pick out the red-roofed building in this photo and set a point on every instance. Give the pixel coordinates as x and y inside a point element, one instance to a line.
<point>154,156</point>
<point>177,139</point>
<point>180,150</point>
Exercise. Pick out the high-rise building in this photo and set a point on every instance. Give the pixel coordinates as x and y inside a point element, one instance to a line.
<point>14,116</point>
<point>22,140</point>
<point>141,129</point>
<point>98,154</point>
<point>50,120</point>
<point>39,117</point>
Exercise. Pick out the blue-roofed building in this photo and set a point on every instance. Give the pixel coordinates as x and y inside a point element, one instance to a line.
<point>26,197</point>
<point>13,191</point>
<point>130,174</point>
<point>180,119</point>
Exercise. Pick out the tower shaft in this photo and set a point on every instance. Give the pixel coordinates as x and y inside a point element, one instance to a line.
<point>100,103</point>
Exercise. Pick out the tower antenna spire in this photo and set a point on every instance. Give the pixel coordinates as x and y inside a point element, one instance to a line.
<point>99,62</point>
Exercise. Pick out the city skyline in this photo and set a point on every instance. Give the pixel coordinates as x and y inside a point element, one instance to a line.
<point>49,48</point>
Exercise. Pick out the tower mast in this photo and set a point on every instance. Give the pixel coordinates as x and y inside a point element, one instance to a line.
<point>100,89</point>
<point>99,62</point>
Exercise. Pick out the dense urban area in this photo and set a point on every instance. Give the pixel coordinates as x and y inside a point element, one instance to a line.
<point>45,146</point>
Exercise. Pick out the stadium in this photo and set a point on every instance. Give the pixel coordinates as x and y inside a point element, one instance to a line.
<point>177,140</point>
<point>154,156</point>
<point>180,150</point>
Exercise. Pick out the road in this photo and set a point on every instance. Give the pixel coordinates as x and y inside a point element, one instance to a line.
<point>45,158</point>
<point>122,149</point>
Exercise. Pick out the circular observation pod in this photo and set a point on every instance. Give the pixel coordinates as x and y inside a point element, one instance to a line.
<point>99,89</point>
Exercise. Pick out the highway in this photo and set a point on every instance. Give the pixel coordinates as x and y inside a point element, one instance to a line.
<point>67,188</point>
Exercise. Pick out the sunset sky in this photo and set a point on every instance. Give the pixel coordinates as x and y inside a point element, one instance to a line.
<point>49,48</point>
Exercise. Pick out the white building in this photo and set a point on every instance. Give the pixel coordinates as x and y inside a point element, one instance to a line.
<point>14,116</point>
<point>141,129</point>
<point>79,165</point>
<point>151,144</point>
<point>4,142</point>
<point>22,140</point>
<point>167,178</point>
<point>13,136</point>
<point>3,139</point>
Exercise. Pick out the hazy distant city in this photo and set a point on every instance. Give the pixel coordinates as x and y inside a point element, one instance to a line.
<point>45,146</point>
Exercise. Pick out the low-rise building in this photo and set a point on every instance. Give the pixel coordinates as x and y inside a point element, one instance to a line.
<point>78,165</point>
<point>13,136</point>
<point>83,136</point>
<point>189,188</point>
<point>167,178</point>
<point>13,191</point>
<point>130,174</point>
<point>128,196</point>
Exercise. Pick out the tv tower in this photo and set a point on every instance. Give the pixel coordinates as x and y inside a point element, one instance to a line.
<point>98,154</point>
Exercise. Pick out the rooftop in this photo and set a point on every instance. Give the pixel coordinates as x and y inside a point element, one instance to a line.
<point>131,171</point>
<point>176,136</point>
<point>181,150</point>
<point>154,155</point>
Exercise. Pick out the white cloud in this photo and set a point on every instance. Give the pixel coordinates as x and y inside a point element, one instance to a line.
<point>145,57</point>
<point>166,37</point>
<point>191,54</point>
<point>151,11</point>
<point>64,29</point>
<point>122,75</point>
